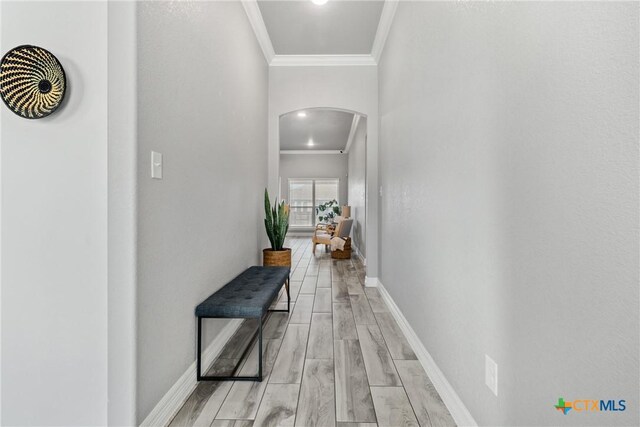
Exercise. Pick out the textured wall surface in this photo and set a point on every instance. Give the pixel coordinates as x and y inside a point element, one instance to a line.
<point>54,226</point>
<point>202,103</point>
<point>509,161</point>
<point>314,166</point>
<point>357,185</point>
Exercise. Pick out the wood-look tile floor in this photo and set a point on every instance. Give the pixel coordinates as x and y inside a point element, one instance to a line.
<point>337,359</point>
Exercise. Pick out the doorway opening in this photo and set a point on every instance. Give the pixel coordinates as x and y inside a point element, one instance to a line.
<point>323,157</point>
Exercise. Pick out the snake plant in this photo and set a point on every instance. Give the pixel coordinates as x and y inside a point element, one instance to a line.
<point>276,222</point>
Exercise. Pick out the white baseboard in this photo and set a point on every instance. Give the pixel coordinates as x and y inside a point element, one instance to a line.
<point>173,400</point>
<point>371,282</point>
<point>456,407</point>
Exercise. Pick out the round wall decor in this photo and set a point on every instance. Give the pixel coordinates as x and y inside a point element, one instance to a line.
<point>32,81</point>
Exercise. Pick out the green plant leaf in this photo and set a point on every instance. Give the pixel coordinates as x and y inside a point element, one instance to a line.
<point>268,221</point>
<point>276,222</point>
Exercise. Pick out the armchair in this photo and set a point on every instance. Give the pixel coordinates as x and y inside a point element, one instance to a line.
<point>323,237</point>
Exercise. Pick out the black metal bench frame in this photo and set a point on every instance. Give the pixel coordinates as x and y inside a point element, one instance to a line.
<point>258,332</point>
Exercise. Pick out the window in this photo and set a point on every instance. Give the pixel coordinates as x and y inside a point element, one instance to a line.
<point>305,194</point>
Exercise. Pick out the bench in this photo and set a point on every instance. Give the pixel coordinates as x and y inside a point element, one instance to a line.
<point>248,296</point>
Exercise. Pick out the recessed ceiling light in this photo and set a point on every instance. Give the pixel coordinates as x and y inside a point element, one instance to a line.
<point>310,143</point>
<point>319,2</point>
<point>302,114</point>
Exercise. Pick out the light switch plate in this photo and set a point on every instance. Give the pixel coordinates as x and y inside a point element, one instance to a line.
<point>491,374</point>
<point>156,165</point>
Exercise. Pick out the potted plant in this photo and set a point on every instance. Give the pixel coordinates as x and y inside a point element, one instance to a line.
<point>276,223</point>
<point>327,211</point>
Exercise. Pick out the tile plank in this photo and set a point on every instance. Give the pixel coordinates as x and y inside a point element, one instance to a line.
<point>322,302</point>
<point>294,289</point>
<point>232,423</point>
<point>392,407</point>
<point>375,300</point>
<point>324,279</point>
<point>320,337</point>
<point>339,291</point>
<point>205,401</point>
<point>361,311</point>
<point>378,363</point>
<point>316,406</point>
<point>302,310</point>
<point>290,361</point>
<point>396,342</point>
<point>278,407</point>
<point>275,326</point>
<point>354,286</point>
<point>344,327</point>
<point>244,397</point>
<point>240,340</point>
<point>427,404</point>
<point>298,273</point>
<point>353,398</point>
<point>309,285</point>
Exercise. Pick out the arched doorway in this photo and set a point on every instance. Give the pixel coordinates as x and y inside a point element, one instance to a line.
<point>323,157</point>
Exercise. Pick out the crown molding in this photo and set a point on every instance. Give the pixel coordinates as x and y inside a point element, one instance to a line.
<point>386,19</point>
<point>320,60</point>
<point>352,132</point>
<point>257,23</point>
<point>260,29</point>
<point>312,152</point>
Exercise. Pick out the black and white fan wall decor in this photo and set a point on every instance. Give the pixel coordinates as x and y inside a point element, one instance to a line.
<point>32,81</point>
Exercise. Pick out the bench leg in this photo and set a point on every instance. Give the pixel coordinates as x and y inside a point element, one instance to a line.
<point>199,360</point>
<point>260,352</point>
<point>288,294</point>
<point>286,287</point>
<point>231,377</point>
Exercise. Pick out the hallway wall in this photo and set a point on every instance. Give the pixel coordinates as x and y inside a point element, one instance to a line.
<point>54,226</point>
<point>202,103</point>
<point>357,186</point>
<point>509,165</point>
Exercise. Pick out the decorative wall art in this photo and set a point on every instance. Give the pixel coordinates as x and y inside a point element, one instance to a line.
<point>32,81</point>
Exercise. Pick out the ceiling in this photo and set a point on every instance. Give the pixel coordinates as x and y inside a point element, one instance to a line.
<point>339,27</point>
<point>328,129</point>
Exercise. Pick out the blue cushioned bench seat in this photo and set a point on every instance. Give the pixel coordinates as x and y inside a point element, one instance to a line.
<point>248,296</point>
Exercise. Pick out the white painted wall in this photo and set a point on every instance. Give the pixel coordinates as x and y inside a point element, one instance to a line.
<point>54,226</point>
<point>357,186</point>
<point>122,233</point>
<point>509,161</point>
<point>314,166</point>
<point>353,88</point>
<point>202,103</point>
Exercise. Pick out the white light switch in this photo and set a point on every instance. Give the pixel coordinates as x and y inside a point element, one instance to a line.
<point>156,165</point>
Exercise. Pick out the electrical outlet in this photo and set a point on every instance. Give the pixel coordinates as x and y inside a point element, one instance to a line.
<point>491,374</point>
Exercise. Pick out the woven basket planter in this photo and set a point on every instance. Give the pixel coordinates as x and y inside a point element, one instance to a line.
<point>271,258</point>
<point>345,254</point>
